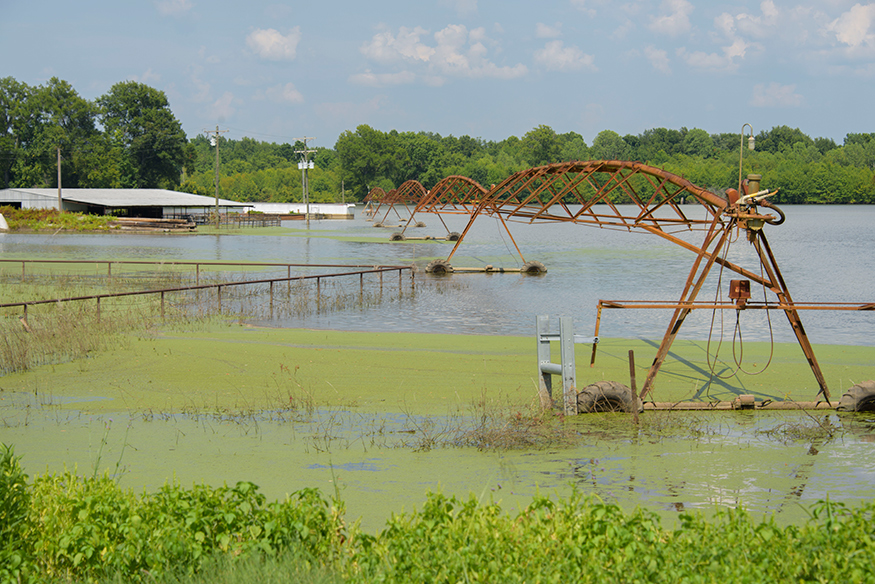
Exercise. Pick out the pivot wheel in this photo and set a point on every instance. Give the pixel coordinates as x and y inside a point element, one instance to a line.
<point>859,398</point>
<point>607,396</point>
<point>439,267</point>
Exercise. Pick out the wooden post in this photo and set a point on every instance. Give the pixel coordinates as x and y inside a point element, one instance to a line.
<point>634,389</point>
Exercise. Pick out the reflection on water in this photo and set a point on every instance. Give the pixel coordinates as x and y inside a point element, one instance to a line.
<point>823,252</point>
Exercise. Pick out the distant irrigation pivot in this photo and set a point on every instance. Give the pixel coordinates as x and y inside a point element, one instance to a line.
<point>653,201</point>
<point>409,193</point>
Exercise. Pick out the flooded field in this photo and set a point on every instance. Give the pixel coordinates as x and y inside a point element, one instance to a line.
<point>380,402</point>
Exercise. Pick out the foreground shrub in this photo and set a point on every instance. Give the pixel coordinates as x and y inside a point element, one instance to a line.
<point>14,508</point>
<point>578,540</point>
<point>68,528</point>
<point>85,528</point>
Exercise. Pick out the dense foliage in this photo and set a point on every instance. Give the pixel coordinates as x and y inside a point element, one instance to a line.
<point>130,138</point>
<point>127,138</point>
<point>40,219</point>
<point>74,528</point>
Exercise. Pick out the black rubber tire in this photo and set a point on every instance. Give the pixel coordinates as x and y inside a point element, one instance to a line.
<point>419,224</point>
<point>533,268</point>
<point>378,224</point>
<point>397,236</point>
<point>439,267</point>
<point>859,398</point>
<point>453,236</point>
<point>607,396</point>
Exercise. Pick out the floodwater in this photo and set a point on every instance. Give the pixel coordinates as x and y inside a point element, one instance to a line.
<point>824,253</point>
<point>673,462</point>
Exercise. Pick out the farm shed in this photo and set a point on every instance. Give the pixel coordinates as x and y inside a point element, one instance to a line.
<point>152,203</point>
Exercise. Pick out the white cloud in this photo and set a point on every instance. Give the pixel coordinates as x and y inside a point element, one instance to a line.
<point>173,7</point>
<point>148,77</point>
<point>284,94</point>
<point>557,57</point>
<point>272,45</point>
<point>462,7</point>
<point>759,26</point>
<point>581,5</point>
<point>658,58</point>
<point>223,108</point>
<point>203,88</point>
<point>382,79</point>
<point>854,27</point>
<point>544,31</point>
<point>457,51</point>
<point>716,61</point>
<point>775,95</point>
<point>677,21</point>
<point>387,47</point>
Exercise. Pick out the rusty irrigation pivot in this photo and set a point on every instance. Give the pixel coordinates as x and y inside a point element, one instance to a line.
<point>378,200</point>
<point>589,193</point>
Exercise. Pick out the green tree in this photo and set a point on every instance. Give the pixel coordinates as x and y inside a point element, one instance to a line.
<point>573,147</point>
<point>369,158</point>
<point>608,145</point>
<point>781,138</point>
<point>13,97</point>
<point>40,121</point>
<point>540,146</point>
<point>698,142</point>
<point>138,118</point>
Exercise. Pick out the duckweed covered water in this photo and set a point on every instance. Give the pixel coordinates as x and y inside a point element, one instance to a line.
<point>381,415</point>
<point>384,418</point>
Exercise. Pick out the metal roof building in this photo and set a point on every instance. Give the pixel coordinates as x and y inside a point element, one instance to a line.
<point>153,203</point>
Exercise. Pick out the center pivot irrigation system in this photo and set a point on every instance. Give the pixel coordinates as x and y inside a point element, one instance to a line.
<point>654,201</point>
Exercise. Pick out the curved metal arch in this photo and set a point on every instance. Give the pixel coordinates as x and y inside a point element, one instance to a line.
<point>409,193</point>
<point>455,194</point>
<point>589,193</point>
<point>372,201</point>
<point>547,193</point>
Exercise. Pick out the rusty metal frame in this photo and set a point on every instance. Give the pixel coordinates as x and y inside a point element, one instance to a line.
<point>409,193</point>
<point>548,193</point>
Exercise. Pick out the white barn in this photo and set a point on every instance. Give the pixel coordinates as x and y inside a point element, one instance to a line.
<point>152,203</point>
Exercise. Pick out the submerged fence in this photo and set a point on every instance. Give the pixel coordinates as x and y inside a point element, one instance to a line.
<point>354,270</point>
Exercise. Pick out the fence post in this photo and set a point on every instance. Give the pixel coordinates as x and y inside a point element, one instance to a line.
<point>545,379</point>
<point>569,372</point>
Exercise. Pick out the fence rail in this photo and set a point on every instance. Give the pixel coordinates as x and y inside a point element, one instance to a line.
<point>380,270</point>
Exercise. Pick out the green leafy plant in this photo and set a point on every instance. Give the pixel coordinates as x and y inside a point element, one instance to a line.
<point>14,507</point>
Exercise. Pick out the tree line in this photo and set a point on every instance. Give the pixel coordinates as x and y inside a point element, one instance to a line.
<point>129,138</point>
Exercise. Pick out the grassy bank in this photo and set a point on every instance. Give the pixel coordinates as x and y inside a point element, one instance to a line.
<point>69,528</point>
<point>52,220</point>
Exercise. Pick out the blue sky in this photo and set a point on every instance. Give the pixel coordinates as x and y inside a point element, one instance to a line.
<point>277,71</point>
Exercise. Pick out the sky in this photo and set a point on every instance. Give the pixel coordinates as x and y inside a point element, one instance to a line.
<point>279,71</point>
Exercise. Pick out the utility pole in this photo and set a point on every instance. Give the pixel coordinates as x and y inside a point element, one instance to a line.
<point>305,165</point>
<point>60,198</point>
<point>214,141</point>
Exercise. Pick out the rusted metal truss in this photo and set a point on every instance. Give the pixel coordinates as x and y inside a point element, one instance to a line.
<point>601,192</point>
<point>408,194</point>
